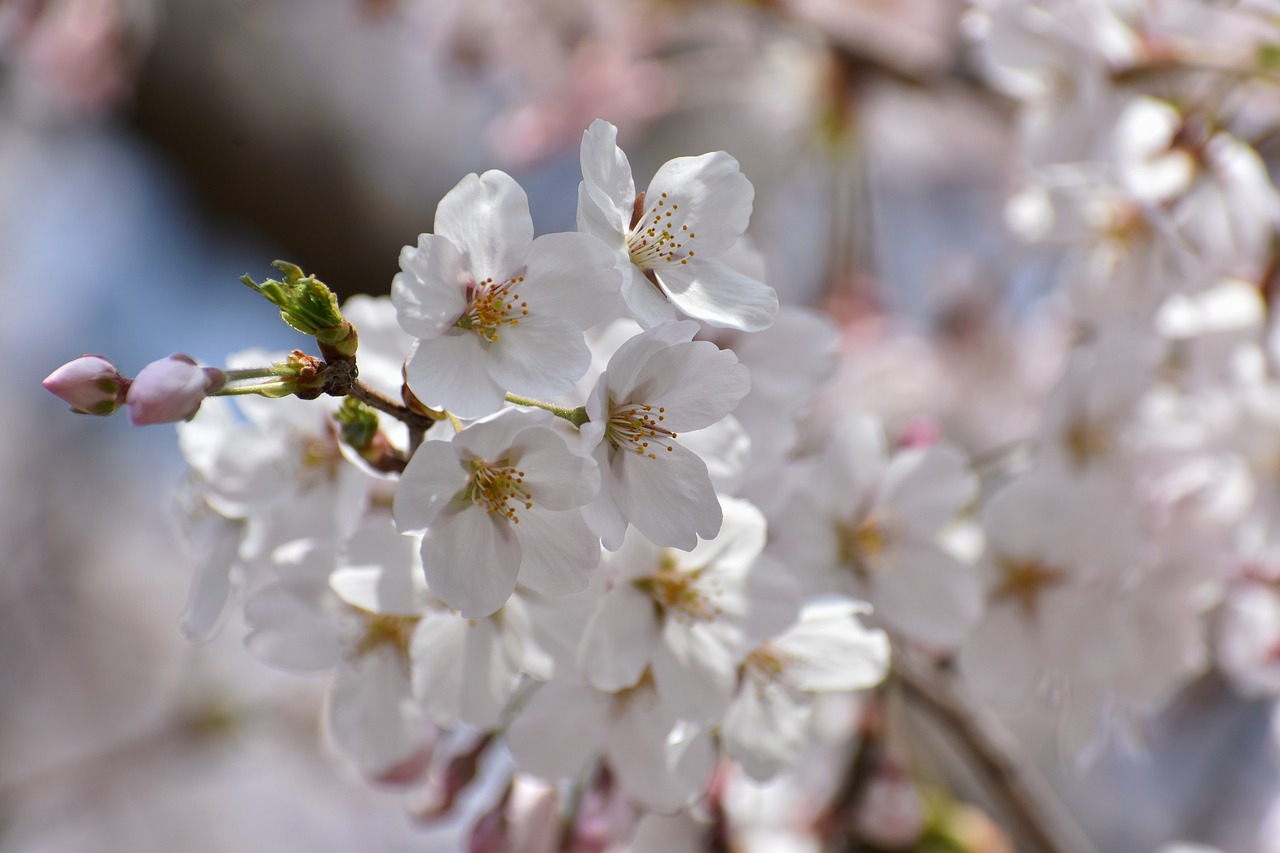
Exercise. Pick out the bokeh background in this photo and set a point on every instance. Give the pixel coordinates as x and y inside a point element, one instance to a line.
<point>152,151</point>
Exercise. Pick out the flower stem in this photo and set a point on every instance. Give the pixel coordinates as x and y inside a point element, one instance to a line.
<point>273,370</point>
<point>577,416</point>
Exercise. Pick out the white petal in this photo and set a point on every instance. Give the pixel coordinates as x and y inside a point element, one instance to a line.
<point>290,629</point>
<point>559,729</point>
<point>211,585</point>
<point>647,302</point>
<point>927,594</point>
<point>606,173</point>
<point>573,276</point>
<point>429,293</point>
<point>619,640</point>
<point>695,668</point>
<point>431,481</point>
<point>557,477</point>
<point>765,727</point>
<point>926,489</point>
<point>830,649</point>
<point>487,217</point>
<point>380,571</point>
<point>461,671</point>
<point>629,359</point>
<point>471,559</point>
<point>543,356</point>
<point>697,383</point>
<point>718,295</point>
<point>669,499</point>
<point>603,515</point>
<point>558,552</point>
<point>452,372</point>
<point>713,195</point>
<point>372,717</point>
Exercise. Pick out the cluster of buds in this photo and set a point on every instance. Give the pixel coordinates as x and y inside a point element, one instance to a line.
<point>164,391</point>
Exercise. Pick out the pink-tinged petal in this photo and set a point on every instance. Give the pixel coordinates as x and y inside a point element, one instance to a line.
<point>606,174</point>
<point>697,383</point>
<point>371,716</point>
<point>718,295</point>
<point>429,292</point>
<point>543,356</point>
<point>695,668</point>
<point>487,217</point>
<point>294,628</point>
<point>646,301</point>
<point>669,499</point>
<point>925,489</point>
<point>558,552</point>
<point>714,199</point>
<point>831,650</point>
<point>557,477</point>
<point>452,372</point>
<point>927,594</point>
<point>433,478</point>
<point>471,559</point>
<point>573,276</point>
<point>560,728</point>
<point>91,384</point>
<point>170,389</point>
<point>619,639</point>
<point>765,727</point>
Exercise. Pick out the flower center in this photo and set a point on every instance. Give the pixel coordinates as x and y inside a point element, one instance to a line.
<point>1024,581</point>
<point>499,488</point>
<point>860,545</point>
<point>635,426</point>
<point>677,592</point>
<point>767,664</point>
<point>381,629</point>
<point>491,306</point>
<point>657,236</point>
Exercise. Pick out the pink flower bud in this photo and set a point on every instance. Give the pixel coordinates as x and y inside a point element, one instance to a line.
<point>91,384</point>
<point>171,389</point>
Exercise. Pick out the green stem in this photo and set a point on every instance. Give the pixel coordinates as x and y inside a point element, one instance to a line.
<point>242,390</point>
<point>261,372</point>
<point>577,416</point>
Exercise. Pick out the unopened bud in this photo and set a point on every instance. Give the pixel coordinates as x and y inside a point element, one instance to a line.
<point>171,389</point>
<point>91,384</point>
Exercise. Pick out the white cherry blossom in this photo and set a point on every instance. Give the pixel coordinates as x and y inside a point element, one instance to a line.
<point>500,501</point>
<point>667,239</point>
<point>493,309</point>
<point>828,650</point>
<point>658,384</point>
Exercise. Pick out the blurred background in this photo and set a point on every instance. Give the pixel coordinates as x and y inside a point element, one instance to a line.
<point>152,151</point>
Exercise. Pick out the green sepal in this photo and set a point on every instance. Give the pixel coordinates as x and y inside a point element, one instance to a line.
<point>305,303</point>
<point>358,423</point>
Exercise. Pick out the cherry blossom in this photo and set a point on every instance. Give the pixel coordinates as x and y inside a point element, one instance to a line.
<point>667,238</point>
<point>500,502</point>
<point>493,309</point>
